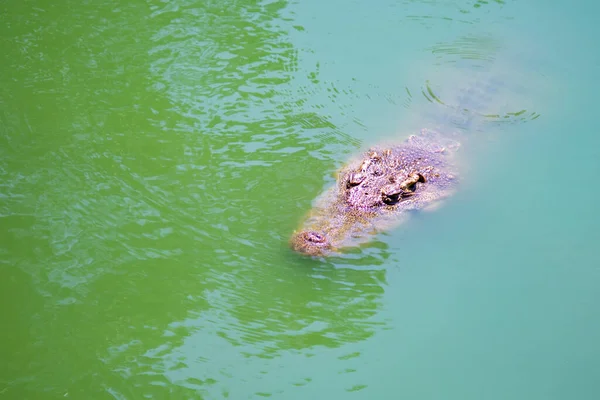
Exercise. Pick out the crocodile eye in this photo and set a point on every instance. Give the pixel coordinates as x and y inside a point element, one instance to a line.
<point>389,200</point>
<point>391,194</point>
<point>355,178</point>
<point>411,186</point>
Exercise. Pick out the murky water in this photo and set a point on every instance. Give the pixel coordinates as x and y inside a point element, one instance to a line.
<point>156,157</point>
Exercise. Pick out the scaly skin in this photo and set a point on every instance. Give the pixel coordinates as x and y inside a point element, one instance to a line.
<point>374,192</point>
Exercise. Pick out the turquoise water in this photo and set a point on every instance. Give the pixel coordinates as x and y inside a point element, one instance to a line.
<point>157,156</point>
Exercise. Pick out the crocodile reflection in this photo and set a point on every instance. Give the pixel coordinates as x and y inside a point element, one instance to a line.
<point>376,190</point>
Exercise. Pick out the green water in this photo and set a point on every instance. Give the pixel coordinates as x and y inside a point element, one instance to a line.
<point>156,157</point>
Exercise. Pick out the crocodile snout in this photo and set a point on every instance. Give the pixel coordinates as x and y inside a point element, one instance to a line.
<point>311,243</point>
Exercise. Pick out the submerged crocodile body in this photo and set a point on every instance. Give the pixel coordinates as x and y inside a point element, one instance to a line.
<point>376,190</point>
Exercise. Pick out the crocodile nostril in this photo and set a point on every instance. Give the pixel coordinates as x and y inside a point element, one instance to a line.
<point>310,243</point>
<point>315,237</point>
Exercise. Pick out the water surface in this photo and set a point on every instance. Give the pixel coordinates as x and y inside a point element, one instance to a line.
<point>156,157</point>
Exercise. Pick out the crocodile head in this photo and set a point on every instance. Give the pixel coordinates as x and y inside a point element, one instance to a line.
<point>372,193</point>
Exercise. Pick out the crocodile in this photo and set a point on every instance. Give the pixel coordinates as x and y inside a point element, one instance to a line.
<point>380,188</point>
<point>376,189</point>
